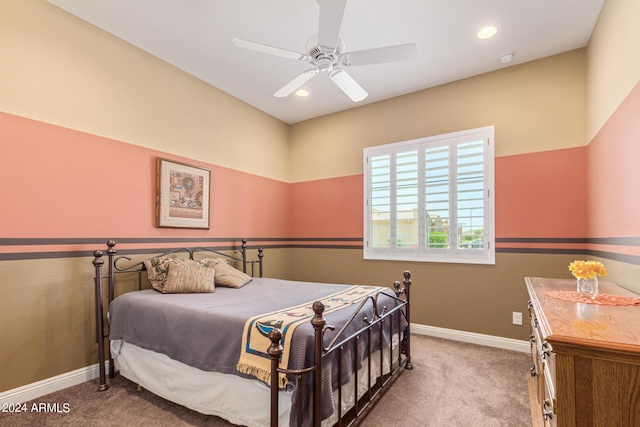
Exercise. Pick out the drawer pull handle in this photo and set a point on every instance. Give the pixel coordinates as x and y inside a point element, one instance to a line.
<point>534,372</point>
<point>548,414</point>
<point>532,339</point>
<point>546,350</point>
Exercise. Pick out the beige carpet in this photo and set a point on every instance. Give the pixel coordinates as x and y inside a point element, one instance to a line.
<point>453,384</point>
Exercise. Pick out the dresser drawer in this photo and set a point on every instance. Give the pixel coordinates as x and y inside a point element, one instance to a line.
<point>548,407</point>
<point>549,365</point>
<point>536,343</point>
<point>537,370</point>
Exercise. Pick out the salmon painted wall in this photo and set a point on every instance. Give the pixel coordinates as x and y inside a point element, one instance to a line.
<point>328,208</point>
<point>613,162</point>
<point>69,184</point>
<point>540,195</point>
<point>536,198</point>
<point>613,199</point>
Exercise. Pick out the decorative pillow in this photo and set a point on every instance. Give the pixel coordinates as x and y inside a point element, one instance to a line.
<point>189,277</point>
<point>212,262</point>
<point>226,275</point>
<point>158,271</point>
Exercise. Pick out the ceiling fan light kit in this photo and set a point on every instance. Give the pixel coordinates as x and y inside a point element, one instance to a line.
<point>326,53</point>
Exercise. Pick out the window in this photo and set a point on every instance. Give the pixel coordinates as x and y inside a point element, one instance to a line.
<point>431,199</point>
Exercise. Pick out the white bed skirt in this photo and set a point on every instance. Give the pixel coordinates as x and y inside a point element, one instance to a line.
<point>223,395</point>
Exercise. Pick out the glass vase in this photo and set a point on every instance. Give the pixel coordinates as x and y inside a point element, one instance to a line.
<point>588,287</point>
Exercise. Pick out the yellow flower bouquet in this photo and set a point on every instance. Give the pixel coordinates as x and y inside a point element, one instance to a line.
<point>587,269</point>
<point>587,273</point>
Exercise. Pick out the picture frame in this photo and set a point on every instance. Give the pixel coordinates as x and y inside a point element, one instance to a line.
<point>182,195</point>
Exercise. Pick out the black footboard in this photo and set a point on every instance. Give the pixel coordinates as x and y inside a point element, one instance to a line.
<point>374,391</point>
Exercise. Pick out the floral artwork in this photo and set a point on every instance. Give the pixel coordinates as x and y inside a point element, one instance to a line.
<point>183,195</point>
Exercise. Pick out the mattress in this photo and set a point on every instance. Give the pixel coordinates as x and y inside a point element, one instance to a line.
<point>224,395</point>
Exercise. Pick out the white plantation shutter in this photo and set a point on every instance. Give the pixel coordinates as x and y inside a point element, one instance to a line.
<point>431,199</point>
<point>406,221</point>
<point>470,190</point>
<point>437,196</point>
<point>380,201</point>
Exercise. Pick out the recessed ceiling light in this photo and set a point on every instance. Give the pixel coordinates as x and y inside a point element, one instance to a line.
<point>487,32</point>
<point>302,92</point>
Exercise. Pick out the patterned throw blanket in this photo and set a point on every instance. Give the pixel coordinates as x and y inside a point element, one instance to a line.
<point>254,359</point>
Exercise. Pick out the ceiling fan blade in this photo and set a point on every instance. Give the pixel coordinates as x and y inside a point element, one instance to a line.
<point>380,55</point>
<point>295,83</point>
<point>331,14</point>
<point>259,47</point>
<point>349,86</point>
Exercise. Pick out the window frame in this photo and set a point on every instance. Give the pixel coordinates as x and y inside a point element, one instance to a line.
<point>423,253</point>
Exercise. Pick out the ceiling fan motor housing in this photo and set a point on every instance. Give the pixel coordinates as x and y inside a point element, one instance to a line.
<point>323,57</point>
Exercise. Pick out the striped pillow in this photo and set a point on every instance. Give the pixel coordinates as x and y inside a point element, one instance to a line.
<point>189,277</point>
<point>226,275</point>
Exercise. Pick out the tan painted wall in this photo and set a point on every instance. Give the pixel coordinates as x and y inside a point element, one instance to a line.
<point>474,298</point>
<point>613,63</point>
<point>536,106</point>
<point>46,308</point>
<point>61,70</point>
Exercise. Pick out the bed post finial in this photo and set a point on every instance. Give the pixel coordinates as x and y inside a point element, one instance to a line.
<point>260,255</point>
<point>98,262</point>
<point>275,351</point>
<point>318,320</point>
<point>407,277</point>
<point>98,259</point>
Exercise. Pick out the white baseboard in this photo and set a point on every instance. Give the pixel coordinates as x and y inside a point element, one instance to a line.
<point>41,388</point>
<point>471,337</point>
<point>79,376</point>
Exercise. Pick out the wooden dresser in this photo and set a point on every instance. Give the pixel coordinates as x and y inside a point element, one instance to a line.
<point>586,358</point>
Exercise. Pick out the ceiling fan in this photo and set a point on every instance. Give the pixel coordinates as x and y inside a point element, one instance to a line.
<point>326,53</point>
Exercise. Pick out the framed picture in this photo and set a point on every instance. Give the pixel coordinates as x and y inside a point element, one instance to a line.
<point>182,195</point>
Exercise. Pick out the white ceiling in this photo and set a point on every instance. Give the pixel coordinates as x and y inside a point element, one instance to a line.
<point>195,36</point>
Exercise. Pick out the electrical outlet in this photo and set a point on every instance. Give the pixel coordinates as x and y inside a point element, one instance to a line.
<point>517,318</point>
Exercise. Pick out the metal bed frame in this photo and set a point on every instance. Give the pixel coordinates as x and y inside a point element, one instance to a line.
<point>378,321</point>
